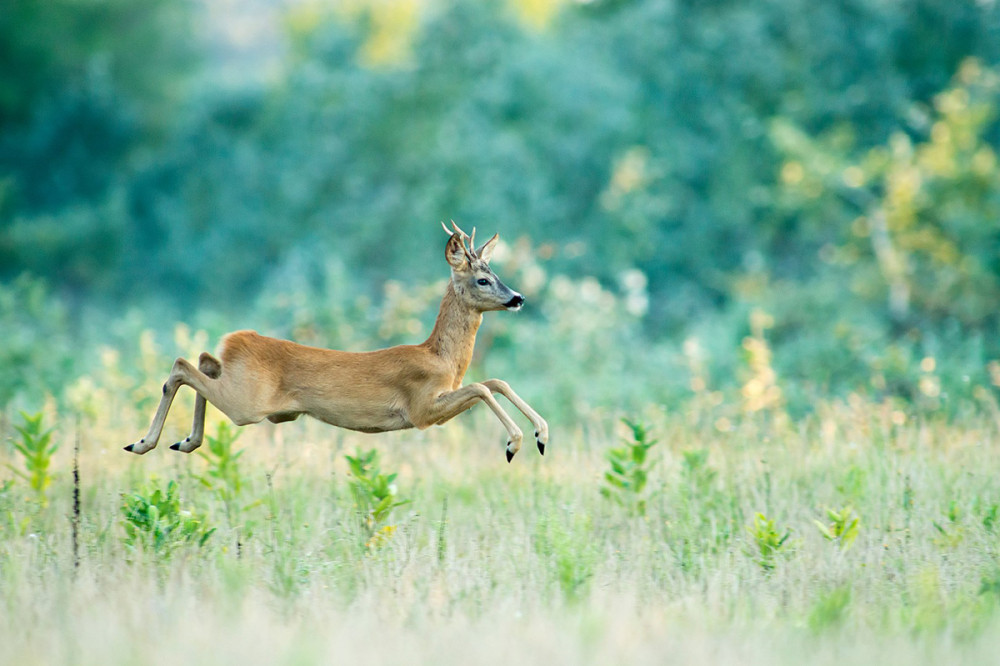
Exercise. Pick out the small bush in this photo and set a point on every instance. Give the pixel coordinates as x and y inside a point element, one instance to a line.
<point>374,495</point>
<point>842,528</point>
<point>155,522</point>
<point>36,448</point>
<point>767,541</point>
<point>625,482</point>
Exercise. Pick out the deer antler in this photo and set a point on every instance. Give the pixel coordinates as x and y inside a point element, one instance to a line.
<point>483,248</point>
<point>467,244</point>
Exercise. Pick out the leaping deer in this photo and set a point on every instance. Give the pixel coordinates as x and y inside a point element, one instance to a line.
<point>256,377</point>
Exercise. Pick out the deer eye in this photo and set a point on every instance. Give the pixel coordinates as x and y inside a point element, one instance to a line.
<point>482,282</point>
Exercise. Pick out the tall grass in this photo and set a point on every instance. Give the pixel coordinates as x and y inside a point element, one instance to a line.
<point>529,562</point>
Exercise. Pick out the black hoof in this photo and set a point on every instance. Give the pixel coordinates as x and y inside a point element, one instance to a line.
<point>541,448</point>
<point>129,447</point>
<point>175,447</point>
<point>510,456</point>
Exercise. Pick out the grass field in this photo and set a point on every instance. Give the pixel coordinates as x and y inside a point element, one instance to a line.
<point>523,563</point>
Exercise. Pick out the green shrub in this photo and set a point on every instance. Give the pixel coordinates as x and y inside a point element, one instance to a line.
<point>375,496</point>
<point>155,522</point>
<point>225,478</point>
<point>36,448</point>
<point>767,542</point>
<point>625,482</point>
<point>842,528</point>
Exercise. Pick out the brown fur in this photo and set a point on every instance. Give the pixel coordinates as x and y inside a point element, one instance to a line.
<point>257,377</point>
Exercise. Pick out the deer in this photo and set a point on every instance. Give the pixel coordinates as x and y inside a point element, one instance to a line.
<point>253,377</point>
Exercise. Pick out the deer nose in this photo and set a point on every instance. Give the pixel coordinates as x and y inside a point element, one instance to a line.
<point>516,302</point>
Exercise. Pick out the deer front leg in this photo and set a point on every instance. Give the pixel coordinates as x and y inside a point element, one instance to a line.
<point>174,382</point>
<point>449,405</point>
<point>541,427</point>
<point>212,369</point>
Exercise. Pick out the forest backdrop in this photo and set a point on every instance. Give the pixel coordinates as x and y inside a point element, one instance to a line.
<point>765,204</point>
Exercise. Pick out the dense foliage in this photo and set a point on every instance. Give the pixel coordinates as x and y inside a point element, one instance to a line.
<point>830,165</point>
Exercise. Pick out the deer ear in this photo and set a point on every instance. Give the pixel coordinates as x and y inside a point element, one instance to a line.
<point>456,254</point>
<point>485,251</point>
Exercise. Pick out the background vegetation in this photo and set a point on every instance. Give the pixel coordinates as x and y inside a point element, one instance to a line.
<point>666,167</point>
<point>766,232</point>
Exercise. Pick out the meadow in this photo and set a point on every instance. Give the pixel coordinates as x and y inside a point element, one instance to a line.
<point>855,534</point>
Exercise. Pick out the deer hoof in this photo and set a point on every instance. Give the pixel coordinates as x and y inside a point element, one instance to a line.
<point>510,454</point>
<point>541,444</point>
<point>185,446</point>
<point>131,447</point>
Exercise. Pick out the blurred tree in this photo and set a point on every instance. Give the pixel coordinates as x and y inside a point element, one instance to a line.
<point>82,86</point>
<point>785,154</point>
<point>921,254</point>
<point>50,46</point>
<point>710,77</point>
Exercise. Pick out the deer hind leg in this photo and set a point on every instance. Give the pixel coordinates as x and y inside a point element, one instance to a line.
<point>541,426</point>
<point>450,405</point>
<point>211,367</point>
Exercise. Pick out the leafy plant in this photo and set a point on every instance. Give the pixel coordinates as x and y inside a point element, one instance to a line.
<point>36,448</point>
<point>767,541</point>
<point>625,482</point>
<point>225,478</point>
<point>155,521</point>
<point>223,475</point>
<point>695,470</point>
<point>842,528</point>
<point>375,495</point>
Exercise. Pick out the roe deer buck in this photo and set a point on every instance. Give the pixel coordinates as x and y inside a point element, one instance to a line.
<point>256,378</point>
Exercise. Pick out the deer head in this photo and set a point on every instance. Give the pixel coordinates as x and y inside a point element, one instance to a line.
<point>471,277</point>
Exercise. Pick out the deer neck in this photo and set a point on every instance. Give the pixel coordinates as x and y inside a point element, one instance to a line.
<point>454,334</point>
